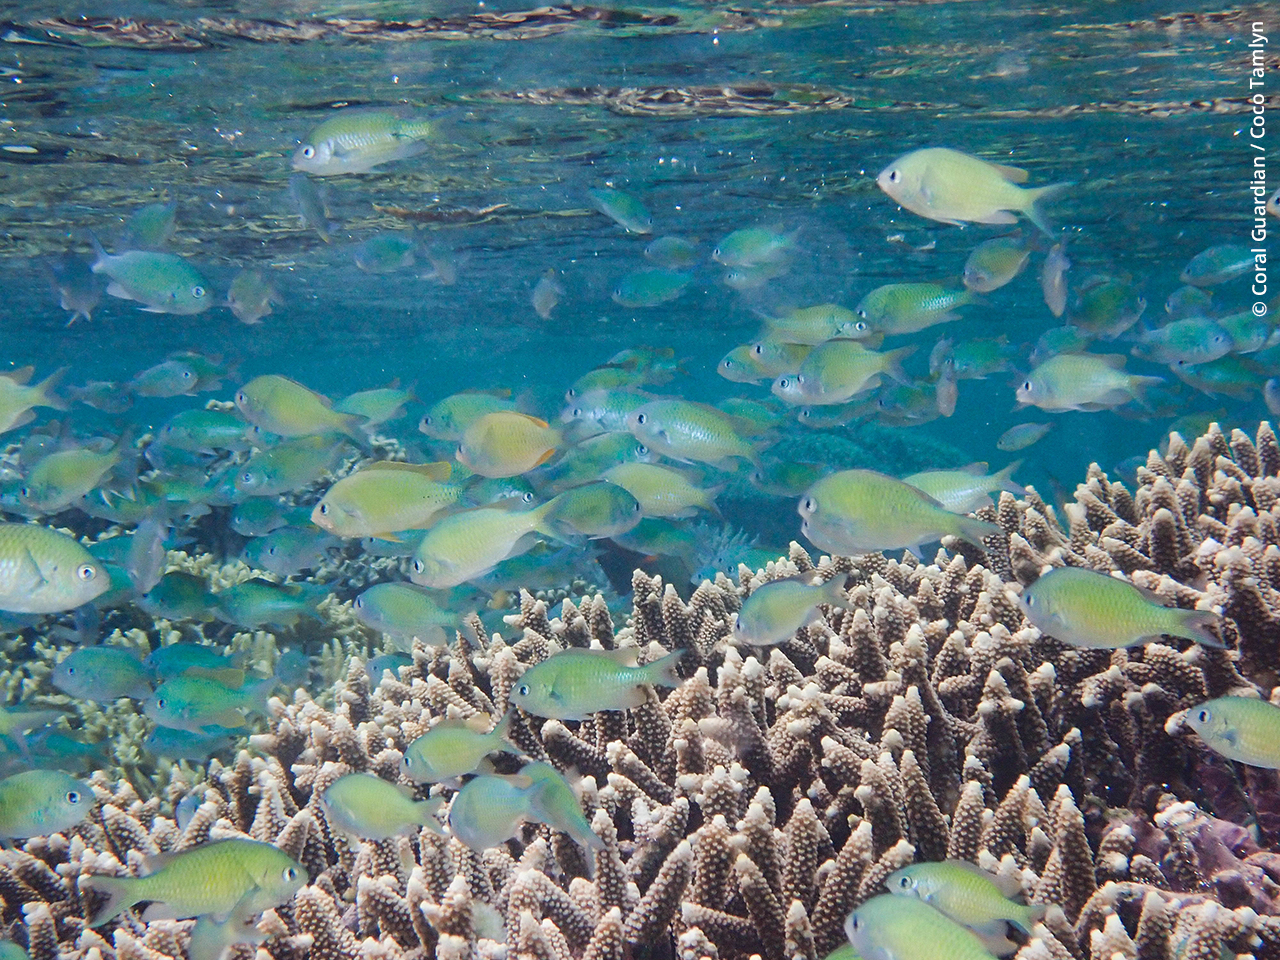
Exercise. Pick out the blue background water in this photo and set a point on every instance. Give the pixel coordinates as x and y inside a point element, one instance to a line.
<point>1143,110</point>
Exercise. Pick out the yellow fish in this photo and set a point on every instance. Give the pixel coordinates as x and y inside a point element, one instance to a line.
<point>285,407</point>
<point>507,443</point>
<point>953,187</point>
<point>17,399</point>
<point>385,497</point>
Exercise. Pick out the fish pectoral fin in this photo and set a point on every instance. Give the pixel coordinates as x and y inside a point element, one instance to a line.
<point>999,216</point>
<point>1012,174</point>
<point>29,575</point>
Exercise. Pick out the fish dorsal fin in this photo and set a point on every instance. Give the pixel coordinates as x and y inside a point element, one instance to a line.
<point>1113,360</point>
<point>439,471</point>
<point>1012,174</point>
<point>532,419</point>
<point>155,862</point>
<point>22,375</point>
<point>406,791</point>
<point>623,656</point>
<point>230,677</point>
<point>477,723</point>
<point>976,469</point>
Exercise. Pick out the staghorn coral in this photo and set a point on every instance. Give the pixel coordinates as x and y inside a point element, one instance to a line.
<point>748,810</point>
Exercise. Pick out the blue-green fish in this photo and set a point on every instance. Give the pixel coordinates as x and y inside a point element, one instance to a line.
<point>575,683</point>
<point>754,247</point>
<point>160,282</point>
<point>403,611</point>
<point>176,659</point>
<point>967,894</point>
<point>489,810</point>
<point>102,674</point>
<point>897,308</point>
<point>454,748</point>
<point>774,611</point>
<point>36,803</point>
<point>966,489</point>
<point>290,550</point>
<point>596,510</point>
<point>202,705</point>
<point>179,596</point>
<point>1022,435</point>
<point>650,286</point>
<point>385,252</point>
<point>554,803</point>
<point>995,262</point>
<point>1090,609</point>
<point>370,808</point>
<point>904,928</point>
<point>211,879</point>
<point>622,208</point>
<point>310,206</point>
<point>257,603</point>
<point>674,253</point>
<point>357,140</point>
<point>185,745</point>
<point>203,431</point>
<point>153,225</point>
<point>1244,729</point>
<point>1217,265</point>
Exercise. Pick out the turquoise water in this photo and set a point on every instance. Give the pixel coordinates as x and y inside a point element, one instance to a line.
<point>716,117</point>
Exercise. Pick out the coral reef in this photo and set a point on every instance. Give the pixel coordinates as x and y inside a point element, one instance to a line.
<point>748,810</point>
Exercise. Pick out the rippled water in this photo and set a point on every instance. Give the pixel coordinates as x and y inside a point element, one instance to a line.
<point>717,116</point>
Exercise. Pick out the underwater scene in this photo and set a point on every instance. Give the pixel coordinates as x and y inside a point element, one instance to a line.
<point>656,480</point>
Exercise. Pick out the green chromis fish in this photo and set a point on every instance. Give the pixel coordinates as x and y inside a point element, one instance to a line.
<point>102,674</point>
<point>287,466</point>
<point>817,324</point>
<point>385,252</point>
<point>774,611</point>
<point>377,406</point>
<point>258,516</point>
<point>786,478</point>
<point>974,359</point>
<point>468,544</point>
<point>662,491</point>
<point>449,418</point>
<point>1082,381</point>
<point>153,225</point>
<point>596,510</point>
<point>604,410</point>
<point>897,308</point>
<point>622,208</point>
<point>966,489</point>
<point>203,431</point>
<point>36,803</point>
<point>554,803</point>
<point>650,286</point>
<point>507,443</point>
<point>403,611</point>
<point>385,497</point>
<point>62,478</point>
<point>44,571</point>
<point>1107,306</point>
<point>160,282</point>
<point>177,659</point>
<point>1090,609</point>
<point>754,247</point>
<point>995,262</point>
<point>285,407</point>
<point>1244,729</point>
<point>674,253</point>
<point>967,894</point>
<point>1217,265</point>
<point>17,398</point>
<point>455,748</point>
<point>171,378</point>
<point>690,432</point>
<point>953,187</point>
<point>1053,279</point>
<point>489,810</point>
<point>212,879</point>
<point>573,684</point>
<point>1249,333</point>
<point>365,806</point>
<point>310,206</point>
<point>547,293</point>
<point>590,458</point>
<point>762,360</point>
<point>290,550</point>
<point>78,289</point>
<point>256,603</point>
<point>202,705</point>
<point>837,370</point>
<point>904,928</point>
<point>1190,340</point>
<point>357,140</point>
<point>179,596</point>
<point>1232,376</point>
<point>861,511</point>
<point>251,295</point>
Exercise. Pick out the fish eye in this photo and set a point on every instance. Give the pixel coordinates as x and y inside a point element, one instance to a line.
<point>308,152</point>
<point>571,393</point>
<point>241,397</point>
<point>1026,384</point>
<point>86,571</point>
<point>894,176</point>
<point>197,292</point>
<point>758,349</point>
<point>904,883</point>
<point>1202,716</point>
<point>784,383</point>
<point>271,551</point>
<point>426,420</point>
<point>324,509</point>
<point>1030,599</point>
<point>854,922</point>
<point>862,313</point>
<point>860,327</point>
<point>359,603</point>
<point>810,504</point>
<point>522,690</point>
<point>290,873</point>
<point>527,498</point>
<point>73,797</point>
<point>577,413</point>
<point>641,418</point>
<point>160,703</point>
<point>642,450</point>
<point>417,566</point>
<point>246,477</point>
<point>26,491</point>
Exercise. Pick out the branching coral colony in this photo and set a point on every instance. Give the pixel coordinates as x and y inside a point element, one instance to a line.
<point>749,810</point>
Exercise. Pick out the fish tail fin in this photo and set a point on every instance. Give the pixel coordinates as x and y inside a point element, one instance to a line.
<point>1034,199</point>
<point>893,363</point>
<point>1195,625</point>
<point>1029,916</point>
<point>99,253</point>
<point>427,811</point>
<point>663,672</point>
<point>833,590</point>
<point>972,530</point>
<point>257,692</point>
<point>48,385</point>
<point>1006,482</point>
<point>709,501</point>
<point>1138,386</point>
<point>501,731</point>
<point>115,889</point>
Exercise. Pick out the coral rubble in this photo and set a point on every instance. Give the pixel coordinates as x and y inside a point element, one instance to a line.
<point>749,810</point>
